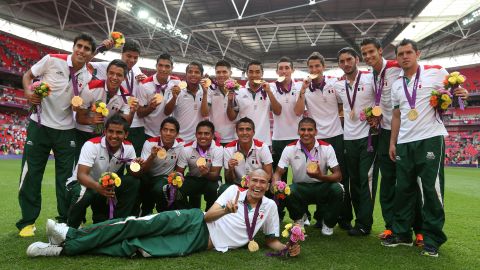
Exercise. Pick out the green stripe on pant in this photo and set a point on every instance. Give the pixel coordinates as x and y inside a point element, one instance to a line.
<point>363,172</point>
<point>420,170</point>
<point>171,233</point>
<point>40,140</point>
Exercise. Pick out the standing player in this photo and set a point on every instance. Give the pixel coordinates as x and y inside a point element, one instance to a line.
<point>242,156</point>
<point>152,94</point>
<point>204,159</point>
<point>356,92</point>
<point>189,105</point>
<point>220,97</point>
<point>318,96</point>
<point>52,128</point>
<point>418,148</point>
<point>254,101</point>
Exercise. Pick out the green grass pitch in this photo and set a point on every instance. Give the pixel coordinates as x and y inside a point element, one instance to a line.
<point>461,251</point>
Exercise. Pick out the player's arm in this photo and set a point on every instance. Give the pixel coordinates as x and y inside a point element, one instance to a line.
<point>217,211</point>
<point>170,106</point>
<point>276,106</point>
<point>275,244</point>
<point>84,178</point>
<point>394,135</point>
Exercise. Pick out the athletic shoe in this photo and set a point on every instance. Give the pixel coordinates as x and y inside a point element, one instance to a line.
<point>419,240</point>
<point>395,240</point>
<point>357,231</point>
<point>28,231</point>
<point>305,219</point>
<point>43,249</point>
<point>326,230</point>
<point>385,234</point>
<point>56,232</point>
<point>344,225</point>
<point>429,251</point>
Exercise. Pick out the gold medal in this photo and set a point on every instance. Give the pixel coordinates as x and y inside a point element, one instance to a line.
<point>77,101</point>
<point>158,98</point>
<point>252,246</point>
<point>257,82</point>
<point>162,153</point>
<point>281,79</point>
<point>208,82</point>
<point>238,156</point>
<point>312,167</point>
<point>132,101</point>
<point>312,76</point>
<point>182,84</point>
<point>412,114</point>
<point>134,167</point>
<point>201,162</point>
<point>352,115</point>
<point>376,111</point>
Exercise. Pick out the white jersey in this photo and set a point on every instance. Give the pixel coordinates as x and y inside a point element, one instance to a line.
<point>293,155</point>
<point>230,231</point>
<point>218,115</point>
<point>95,155</point>
<point>56,110</point>
<point>190,155</point>
<point>428,124</point>
<point>147,91</point>
<point>322,106</point>
<point>258,155</point>
<point>188,112</point>
<point>130,83</point>
<point>390,70</point>
<point>97,90</point>
<point>162,166</point>
<point>256,107</point>
<point>284,125</point>
<point>355,129</point>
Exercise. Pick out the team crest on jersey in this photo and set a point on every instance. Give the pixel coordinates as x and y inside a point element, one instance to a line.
<point>30,143</point>
<point>296,157</point>
<point>397,158</point>
<point>72,143</point>
<point>101,158</point>
<point>59,73</point>
<point>430,155</point>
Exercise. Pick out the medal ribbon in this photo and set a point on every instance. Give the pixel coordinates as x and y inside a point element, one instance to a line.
<point>74,81</point>
<point>317,86</point>
<point>248,154</point>
<point>379,86</point>
<point>122,150</point>
<point>307,153</point>
<point>250,228</point>
<point>282,89</point>
<point>201,152</point>
<point>412,99</point>
<point>161,87</point>
<point>260,89</point>
<point>130,82</point>
<point>351,101</point>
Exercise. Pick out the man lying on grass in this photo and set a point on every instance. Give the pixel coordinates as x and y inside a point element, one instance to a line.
<point>176,233</point>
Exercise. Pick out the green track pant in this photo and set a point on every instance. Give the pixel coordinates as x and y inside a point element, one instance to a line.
<point>137,137</point>
<point>197,186</point>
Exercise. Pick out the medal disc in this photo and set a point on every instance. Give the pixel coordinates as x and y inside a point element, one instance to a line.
<point>77,101</point>
<point>312,167</point>
<point>281,79</point>
<point>162,153</point>
<point>158,98</point>
<point>238,156</point>
<point>352,115</point>
<point>182,84</point>
<point>208,82</point>
<point>201,162</point>
<point>312,76</point>
<point>257,81</point>
<point>252,246</point>
<point>376,111</point>
<point>134,167</point>
<point>132,101</point>
<point>412,114</point>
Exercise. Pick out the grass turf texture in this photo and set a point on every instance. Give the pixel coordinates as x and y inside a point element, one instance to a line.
<point>339,251</point>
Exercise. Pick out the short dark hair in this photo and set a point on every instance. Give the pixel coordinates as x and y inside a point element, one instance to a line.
<point>200,66</point>
<point>370,40</point>
<point>285,59</point>
<point>86,37</point>
<point>405,42</point>
<point>223,63</point>
<point>171,120</point>
<point>255,63</point>
<point>117,119</point>
<point>245,120</point>
<point>307,120</point>
<point>119,63</point>
<point>316,56</point>
<point>348,50</point>
<point>165,56</point>
<point>131,45</point>
<point>206,123</point>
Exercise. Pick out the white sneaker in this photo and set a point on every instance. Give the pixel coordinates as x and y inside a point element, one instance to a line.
<point>43,249</point>
<point>306,222</point>
<point>326,230</point>
<point>56,232</point>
